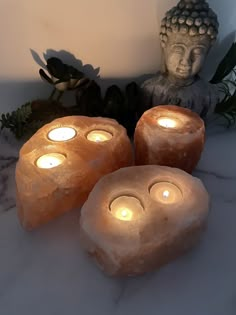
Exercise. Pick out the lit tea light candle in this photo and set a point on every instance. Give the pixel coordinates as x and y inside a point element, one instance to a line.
<point>62,134</point>
<point>171,218</point>
<point>167,122</point>
<point>169,135</point>
<point>165,192</point>
<point>126,208</point>
<point>50,160</point>
<point>99,136</point>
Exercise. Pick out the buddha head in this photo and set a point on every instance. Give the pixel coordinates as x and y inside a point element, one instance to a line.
<point>188,31</point>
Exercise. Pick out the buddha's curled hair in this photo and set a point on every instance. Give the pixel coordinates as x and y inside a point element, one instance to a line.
<point>192,17</point>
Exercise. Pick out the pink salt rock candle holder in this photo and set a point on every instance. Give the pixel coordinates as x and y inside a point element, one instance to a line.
<point>142,217</point>
<point>169,135</point>
<point>61,163</point>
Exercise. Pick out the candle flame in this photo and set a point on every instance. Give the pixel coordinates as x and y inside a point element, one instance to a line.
<point>167,122</point>
<point>126,208</point>
<point>97,139</point>
<point>124,213</point>
<point>166,193</point>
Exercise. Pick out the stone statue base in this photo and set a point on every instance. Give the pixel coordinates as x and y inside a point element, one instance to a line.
<point>201,97</point>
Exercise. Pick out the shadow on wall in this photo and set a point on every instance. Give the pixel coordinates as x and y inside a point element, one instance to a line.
<point>67,58</point>
<point>88,69</point>
<point>15,93</point>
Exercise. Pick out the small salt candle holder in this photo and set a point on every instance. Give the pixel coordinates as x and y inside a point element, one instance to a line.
<point>139,218</point>
<point>61,163</point>
<point>169,135</point>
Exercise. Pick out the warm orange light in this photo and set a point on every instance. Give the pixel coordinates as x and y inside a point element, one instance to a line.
<point>126,208</point>
<point>165,192</point>
<point>167,122</point>
<point>99,136</point>
<point>62,134</point>
<point>50,160</point>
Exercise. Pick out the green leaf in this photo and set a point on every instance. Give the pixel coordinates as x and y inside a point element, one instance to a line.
<point>226,65</point>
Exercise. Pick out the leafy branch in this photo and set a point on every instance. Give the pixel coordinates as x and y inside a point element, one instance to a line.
<point>28,118</point>
<point>17,120</point>
<point>225,76</point>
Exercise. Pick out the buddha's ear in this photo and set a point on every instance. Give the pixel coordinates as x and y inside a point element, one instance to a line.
<point>163,44</point>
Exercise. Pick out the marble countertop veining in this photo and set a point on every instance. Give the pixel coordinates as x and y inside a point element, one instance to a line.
<point>46,272</point>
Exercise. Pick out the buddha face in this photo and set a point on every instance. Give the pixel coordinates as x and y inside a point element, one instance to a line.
<point>184,56</point>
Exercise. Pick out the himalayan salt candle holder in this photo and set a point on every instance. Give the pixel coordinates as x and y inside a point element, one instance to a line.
<point>169,135</point>
<point>61,163</point>
<point>139,218</point>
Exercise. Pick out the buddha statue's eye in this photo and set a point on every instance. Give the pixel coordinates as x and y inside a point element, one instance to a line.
<point>178,49</point>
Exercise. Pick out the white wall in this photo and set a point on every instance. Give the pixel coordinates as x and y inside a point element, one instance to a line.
<point>119,37</point>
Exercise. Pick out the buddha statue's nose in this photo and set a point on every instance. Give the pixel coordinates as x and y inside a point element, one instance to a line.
<point>186,59</point>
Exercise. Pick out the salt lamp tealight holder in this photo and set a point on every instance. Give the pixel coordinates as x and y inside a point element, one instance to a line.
<point>61,163</point>
<point>142,217</point>
<point>169,135</point>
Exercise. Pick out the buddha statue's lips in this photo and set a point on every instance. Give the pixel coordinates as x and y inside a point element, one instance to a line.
<point>183,70</point>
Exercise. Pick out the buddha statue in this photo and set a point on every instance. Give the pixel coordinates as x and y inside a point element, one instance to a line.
<point>188,32</point>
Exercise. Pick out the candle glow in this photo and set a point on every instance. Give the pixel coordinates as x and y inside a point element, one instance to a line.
<point>167,122</point>
<point>165,192</point>
<point>124,214</point>
<point>62,134</point>
<point>99,136</point>
<point>50,160</point>
<point>126,208</point>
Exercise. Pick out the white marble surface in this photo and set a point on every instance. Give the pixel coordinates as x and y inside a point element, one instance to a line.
<point>46,272</point>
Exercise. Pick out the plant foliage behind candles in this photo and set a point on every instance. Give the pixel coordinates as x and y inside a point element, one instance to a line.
<point>17,120</point>
<point>225,76</point>
<point>124,106</point>
<point>28,118</point>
